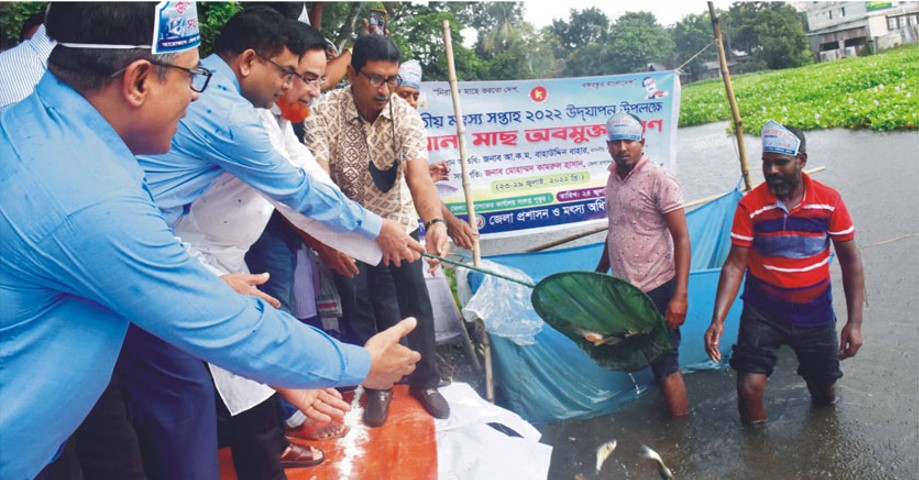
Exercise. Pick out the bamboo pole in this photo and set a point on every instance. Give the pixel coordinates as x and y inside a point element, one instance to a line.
<point>470,204</point>
<point>729,89</point>
<point>686,206</point>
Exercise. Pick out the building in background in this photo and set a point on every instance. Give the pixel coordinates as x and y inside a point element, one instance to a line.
<point>843,29</point>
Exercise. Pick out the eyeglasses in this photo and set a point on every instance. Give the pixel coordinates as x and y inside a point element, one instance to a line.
<point>377,81</point>
<point>287,73</point>
<point>314,83</point>
<point>200,76</point>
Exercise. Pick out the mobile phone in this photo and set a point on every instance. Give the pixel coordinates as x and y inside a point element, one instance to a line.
<point>378,21</point>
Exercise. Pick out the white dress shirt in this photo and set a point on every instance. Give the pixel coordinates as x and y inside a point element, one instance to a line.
<point>22,66</point>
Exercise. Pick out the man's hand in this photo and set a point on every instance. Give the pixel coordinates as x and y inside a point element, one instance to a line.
<point>437,244</point>
<point>676,312</point>
<point>397,246</point>
<point>439,171</point>
<point>850,340</point>
<point>390,360</point>
<point>461,233</point>
<point>320,404</point>
<point>712,336</point>
<point>245,284</point>
<point>340,262</point>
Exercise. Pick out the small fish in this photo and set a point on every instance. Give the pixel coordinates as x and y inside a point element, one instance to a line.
<point>604,451</point>
<point>598,339</point>
<point>662,469</point>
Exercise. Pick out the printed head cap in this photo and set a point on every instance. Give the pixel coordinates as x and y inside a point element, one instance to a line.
<point>410,72</point>
<point>175,29</point>
<point>623,126</point>
<point>778,139</point>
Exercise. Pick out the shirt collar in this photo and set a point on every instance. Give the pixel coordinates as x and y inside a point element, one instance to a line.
<point>223,74</point>
<point>42,45</point>
<point>808,192</point>
<point>64,101</point>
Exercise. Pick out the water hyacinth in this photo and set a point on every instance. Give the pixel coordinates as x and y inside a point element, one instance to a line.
<point>862,92</point>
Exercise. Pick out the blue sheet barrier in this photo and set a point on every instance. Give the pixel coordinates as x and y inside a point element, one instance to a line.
<point>555,380</point>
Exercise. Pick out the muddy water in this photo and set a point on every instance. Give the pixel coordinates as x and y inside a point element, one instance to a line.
<point>873,432</point>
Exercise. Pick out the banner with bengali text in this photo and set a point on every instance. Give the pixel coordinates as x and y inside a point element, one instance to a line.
<point>536,149</point>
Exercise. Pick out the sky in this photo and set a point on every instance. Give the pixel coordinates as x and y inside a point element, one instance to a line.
<point>541,12</point>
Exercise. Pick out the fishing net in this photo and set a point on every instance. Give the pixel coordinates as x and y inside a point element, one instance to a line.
<point>625,330</point>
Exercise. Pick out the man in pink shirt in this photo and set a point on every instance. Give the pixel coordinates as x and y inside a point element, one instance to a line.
<point>647,243</point>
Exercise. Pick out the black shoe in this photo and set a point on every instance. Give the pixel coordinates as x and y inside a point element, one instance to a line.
<point>377,407</point>
<point>432,401</point>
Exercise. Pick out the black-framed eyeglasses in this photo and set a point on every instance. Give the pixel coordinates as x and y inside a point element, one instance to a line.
<point>287,73</point>
<point>314,83</point>
<point>200,76</point>
<point>377,81</point>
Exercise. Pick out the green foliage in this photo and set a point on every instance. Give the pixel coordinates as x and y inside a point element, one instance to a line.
<point>880,92</point>
<point>13,15</point>
<point>585,27</point>
<point>690,35</point>
<point>636,40</point>
<point>773,32</point>
<point>212,17</point>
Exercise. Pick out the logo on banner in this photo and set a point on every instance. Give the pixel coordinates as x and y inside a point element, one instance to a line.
<point>479,222</point>
<point>539,94</point>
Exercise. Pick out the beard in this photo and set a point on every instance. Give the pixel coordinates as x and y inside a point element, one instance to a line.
<point>295,112</point>
<point>781,185</point>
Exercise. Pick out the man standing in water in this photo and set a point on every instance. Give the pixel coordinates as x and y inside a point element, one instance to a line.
<point>781,239</point>
<point>648,242</point>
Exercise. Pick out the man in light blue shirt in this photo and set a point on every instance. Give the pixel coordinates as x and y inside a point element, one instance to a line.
<point>86,251</point>
<point>256,60</point>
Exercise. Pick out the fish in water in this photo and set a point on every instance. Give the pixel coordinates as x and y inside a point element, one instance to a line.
<point>604,451</point>
<point>662,469</point>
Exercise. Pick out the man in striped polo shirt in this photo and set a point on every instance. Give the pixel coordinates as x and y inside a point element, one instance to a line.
<point>781,239</point>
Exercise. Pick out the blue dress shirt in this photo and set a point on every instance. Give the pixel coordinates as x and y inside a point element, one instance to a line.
<point>222,132</point>
<point>84,250</point>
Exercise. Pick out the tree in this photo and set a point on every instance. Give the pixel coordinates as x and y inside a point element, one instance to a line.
<point>690,35</point>
<point>773,32</point>
<point>584,27</point>
<point>637,40</point>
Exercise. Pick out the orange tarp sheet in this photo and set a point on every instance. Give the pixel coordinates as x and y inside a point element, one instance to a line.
<point>404,448</point>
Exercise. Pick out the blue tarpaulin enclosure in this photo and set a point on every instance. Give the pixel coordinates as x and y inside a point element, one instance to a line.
<point>553,379</point>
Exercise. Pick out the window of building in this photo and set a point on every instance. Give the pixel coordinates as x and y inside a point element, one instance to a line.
<point>829,14</point>
<point>912,19</point>
<point>892,23</point>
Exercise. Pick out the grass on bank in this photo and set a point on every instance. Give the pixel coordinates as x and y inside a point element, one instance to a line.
<point>879,92</point>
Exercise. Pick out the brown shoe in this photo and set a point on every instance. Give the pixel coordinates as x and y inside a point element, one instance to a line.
<point>297,457</point>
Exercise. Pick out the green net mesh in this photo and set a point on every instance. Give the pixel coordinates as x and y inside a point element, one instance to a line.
<point>626,331</point>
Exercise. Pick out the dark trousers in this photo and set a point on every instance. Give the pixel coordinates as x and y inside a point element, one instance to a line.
<point>275,252</point>
<point>171,397</point>
<point>105,446</point>
<point>369,307</point>
<point>257,439</point>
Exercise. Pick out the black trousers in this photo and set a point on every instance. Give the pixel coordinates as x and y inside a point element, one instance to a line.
<point>104,447</point>
<point>256,437</point>
<point>370,304</point>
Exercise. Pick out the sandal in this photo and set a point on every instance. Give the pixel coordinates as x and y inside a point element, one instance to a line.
<point>296,456</point>
<point>315,431</point>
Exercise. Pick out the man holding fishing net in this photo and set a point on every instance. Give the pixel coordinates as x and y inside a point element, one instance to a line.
<point>647,243</point>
